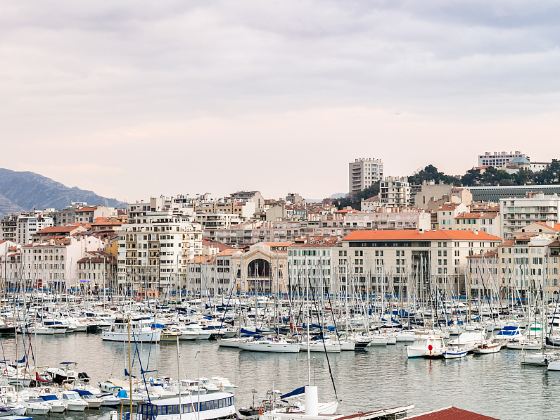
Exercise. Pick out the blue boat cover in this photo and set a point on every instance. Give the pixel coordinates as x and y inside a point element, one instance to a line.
<point>82,392</point>
<point>297,391</point>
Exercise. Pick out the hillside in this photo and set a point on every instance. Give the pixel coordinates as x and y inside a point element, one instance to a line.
<point>27,191</point>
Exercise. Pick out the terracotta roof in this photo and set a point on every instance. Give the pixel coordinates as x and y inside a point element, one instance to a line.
<point>484,215</point>
<point>452,413</point>
<point>448,206</point>
<point>277,244</point>
<point>84,209</point>
<point>416,235</point>
<point>107,221</point>
<point>215,244</point>
<point>227,252</point>
<point>58,229</point>
<point>556,226</point>
<point>201,259</point>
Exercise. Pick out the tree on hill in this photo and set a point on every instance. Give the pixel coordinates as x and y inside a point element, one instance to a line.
<point>355,200</point>
<point>550,175</point>
<point>431,173</point>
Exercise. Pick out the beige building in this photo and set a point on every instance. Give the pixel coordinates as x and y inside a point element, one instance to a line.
<point>488,222</point>
<point>410,262</point>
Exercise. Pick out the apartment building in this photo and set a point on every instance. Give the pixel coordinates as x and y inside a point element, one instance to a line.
<point>523,265</point>
<point>97,271</point>
<point>331,224</point>
<point>53,263</point>
<point>488,222</point>
<point>446,215</point>
<point>8,228</point>
<point>82,213</point>
<point>312,267</point>
<point>29,224</point>
<point>518,212</point>
<point>407,262</point>
<point>500,160</point>
<point>363,173</point>
<point>154,247</point>
<point>395,192</point>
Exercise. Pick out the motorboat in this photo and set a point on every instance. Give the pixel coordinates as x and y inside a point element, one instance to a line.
<point>427,346</point>
<point>455,352</point>
<point>136,331</point>
<point>194,332</point>
<point>56,405</point>
<point>73,401</point>
<point>37,407</point>
<point>204,406</point>
<point>488,347</point>
<point>267,345</point>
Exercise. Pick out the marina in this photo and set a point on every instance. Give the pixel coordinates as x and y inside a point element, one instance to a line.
<point>390,364</point>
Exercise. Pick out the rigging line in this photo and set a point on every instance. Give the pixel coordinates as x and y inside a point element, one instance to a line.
<point>322,338</point>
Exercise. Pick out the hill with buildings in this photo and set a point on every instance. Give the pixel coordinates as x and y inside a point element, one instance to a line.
<point>27,191</point>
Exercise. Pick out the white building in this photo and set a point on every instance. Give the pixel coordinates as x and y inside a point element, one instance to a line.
<point>54,263</point>
<point>525,263</point>
<point>363,173</point>
<point>447,213</point>
<point>313,266</point>
<point>395,192</point>
<point>154,248</point>
<point>488,222</point>
<point>517,213</point>
<point>29,224</point>
<point>500,160</point>
<point>211,222</point>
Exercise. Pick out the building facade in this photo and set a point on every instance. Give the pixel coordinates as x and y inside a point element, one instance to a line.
<point>154,248</point>
<point>411,263</point>
<point>363,173</point>
<point>516,213</point>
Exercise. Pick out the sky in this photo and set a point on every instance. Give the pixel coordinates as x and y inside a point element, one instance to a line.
<point>137,98</point>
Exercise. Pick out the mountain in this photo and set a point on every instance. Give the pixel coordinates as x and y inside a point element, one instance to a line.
<point>27,191</point>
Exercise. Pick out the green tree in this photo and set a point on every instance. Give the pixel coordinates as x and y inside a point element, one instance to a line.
<point>355,200</point>
<point>431,173</point>
<point>550,175</point>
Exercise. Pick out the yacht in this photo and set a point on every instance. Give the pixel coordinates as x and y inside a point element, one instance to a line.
<point>139,331</point>
<point>216,405</point>
<point>194,332</point>
<point>268,345</point>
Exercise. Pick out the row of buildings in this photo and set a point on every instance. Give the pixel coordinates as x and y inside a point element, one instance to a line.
<point>406,240</point>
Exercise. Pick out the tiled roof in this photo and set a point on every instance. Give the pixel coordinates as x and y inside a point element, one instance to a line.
<point>277,244</point>
<point>107,221</point>
<point>227,252</point>
<point>448,206</point>
<point>452,413</point>
<point>484,215</point>
<point>416,235</point>
<point>58,229</point>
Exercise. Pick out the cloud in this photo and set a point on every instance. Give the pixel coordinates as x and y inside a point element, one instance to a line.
<point>238,80</point>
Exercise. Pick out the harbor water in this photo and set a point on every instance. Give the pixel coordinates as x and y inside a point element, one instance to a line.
<point>493,384</point>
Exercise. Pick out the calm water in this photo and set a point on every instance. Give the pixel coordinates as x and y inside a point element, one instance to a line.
<point>491,384</point>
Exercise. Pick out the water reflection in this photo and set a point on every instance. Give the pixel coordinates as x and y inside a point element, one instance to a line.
<point>493,384</point>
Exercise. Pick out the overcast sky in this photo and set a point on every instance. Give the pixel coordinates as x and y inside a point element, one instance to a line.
<point>133,98</point>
